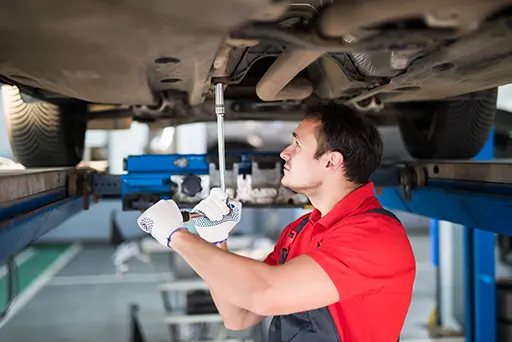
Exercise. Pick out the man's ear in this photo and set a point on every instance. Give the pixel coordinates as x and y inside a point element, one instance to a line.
<point>334,160</point>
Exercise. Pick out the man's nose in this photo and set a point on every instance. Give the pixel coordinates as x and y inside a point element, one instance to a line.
<point>284,154</point>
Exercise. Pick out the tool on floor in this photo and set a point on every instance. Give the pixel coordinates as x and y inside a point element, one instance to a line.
<point>219,111</point>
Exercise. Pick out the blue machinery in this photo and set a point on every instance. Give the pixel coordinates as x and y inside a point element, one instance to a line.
<point>476,194</point>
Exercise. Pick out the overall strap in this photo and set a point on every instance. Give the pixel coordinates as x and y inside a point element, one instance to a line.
<point>289,239</point>
<point>383,212</point>
<point>302,224</point>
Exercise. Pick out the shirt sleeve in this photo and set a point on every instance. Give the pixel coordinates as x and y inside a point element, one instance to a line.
<point>361,257</point>
<point>271,258</point>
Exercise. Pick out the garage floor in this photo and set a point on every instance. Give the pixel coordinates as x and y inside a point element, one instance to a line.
<point>71,294</point>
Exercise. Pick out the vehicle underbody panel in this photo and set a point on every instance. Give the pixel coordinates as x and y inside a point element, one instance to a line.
<point>134,53</point>
<point>118,52</point>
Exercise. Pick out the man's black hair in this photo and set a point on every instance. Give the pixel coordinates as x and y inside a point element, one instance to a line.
<point>351,133</point>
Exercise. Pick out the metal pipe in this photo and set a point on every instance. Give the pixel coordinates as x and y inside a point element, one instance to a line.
<point>219,111</point>
<point>279,82</point>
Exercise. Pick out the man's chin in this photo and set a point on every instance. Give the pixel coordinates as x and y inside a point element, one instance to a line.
<point>285,183</point>
<point>297,188</point>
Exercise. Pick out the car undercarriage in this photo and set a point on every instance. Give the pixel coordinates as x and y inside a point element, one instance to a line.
<point>159,62</point>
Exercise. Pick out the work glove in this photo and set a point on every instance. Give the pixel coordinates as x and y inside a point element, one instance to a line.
<point>161,220</point>
<point>220,216</point>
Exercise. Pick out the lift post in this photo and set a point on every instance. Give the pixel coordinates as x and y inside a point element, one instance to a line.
<point>480,274</point>
<point>477,195</point>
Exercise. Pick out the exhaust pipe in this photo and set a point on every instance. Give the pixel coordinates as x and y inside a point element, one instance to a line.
<point>279,82</point>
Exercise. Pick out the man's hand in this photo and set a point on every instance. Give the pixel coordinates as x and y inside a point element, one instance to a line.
<point>220,216</point>
<point>161,220</point>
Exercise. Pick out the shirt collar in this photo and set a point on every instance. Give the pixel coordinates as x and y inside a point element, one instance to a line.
<point>344,207</point>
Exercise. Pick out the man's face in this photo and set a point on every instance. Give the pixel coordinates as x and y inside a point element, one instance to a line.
<point>302,172</point>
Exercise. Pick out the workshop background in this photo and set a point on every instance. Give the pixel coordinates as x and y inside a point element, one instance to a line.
<point>68,286</point>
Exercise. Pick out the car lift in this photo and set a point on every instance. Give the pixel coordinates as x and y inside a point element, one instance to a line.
<point>474,194</point>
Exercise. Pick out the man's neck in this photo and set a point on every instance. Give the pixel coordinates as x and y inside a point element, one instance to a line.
<point>328,196</point>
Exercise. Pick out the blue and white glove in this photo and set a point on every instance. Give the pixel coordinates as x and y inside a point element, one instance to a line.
<point>220,216</point>
<point>161,220</point>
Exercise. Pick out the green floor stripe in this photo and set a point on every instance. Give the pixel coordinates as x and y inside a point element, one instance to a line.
<point>3,293</point>
<point>31,269</point>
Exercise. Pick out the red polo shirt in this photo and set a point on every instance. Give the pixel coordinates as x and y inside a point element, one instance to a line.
<point>369,259</point>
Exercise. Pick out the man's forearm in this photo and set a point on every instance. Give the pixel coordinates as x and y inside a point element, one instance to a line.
<point>238,278</point>
<point>234,317</point>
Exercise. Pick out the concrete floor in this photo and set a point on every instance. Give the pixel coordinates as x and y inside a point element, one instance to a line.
<point>80,298</point>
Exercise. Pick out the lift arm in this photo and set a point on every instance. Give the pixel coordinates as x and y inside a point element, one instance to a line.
<point>33,202</point>
<point>474,194</point>
<point>471,193</point>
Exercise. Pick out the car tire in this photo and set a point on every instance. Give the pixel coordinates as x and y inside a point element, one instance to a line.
<point>457,128</point>
<point>43,134</point>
